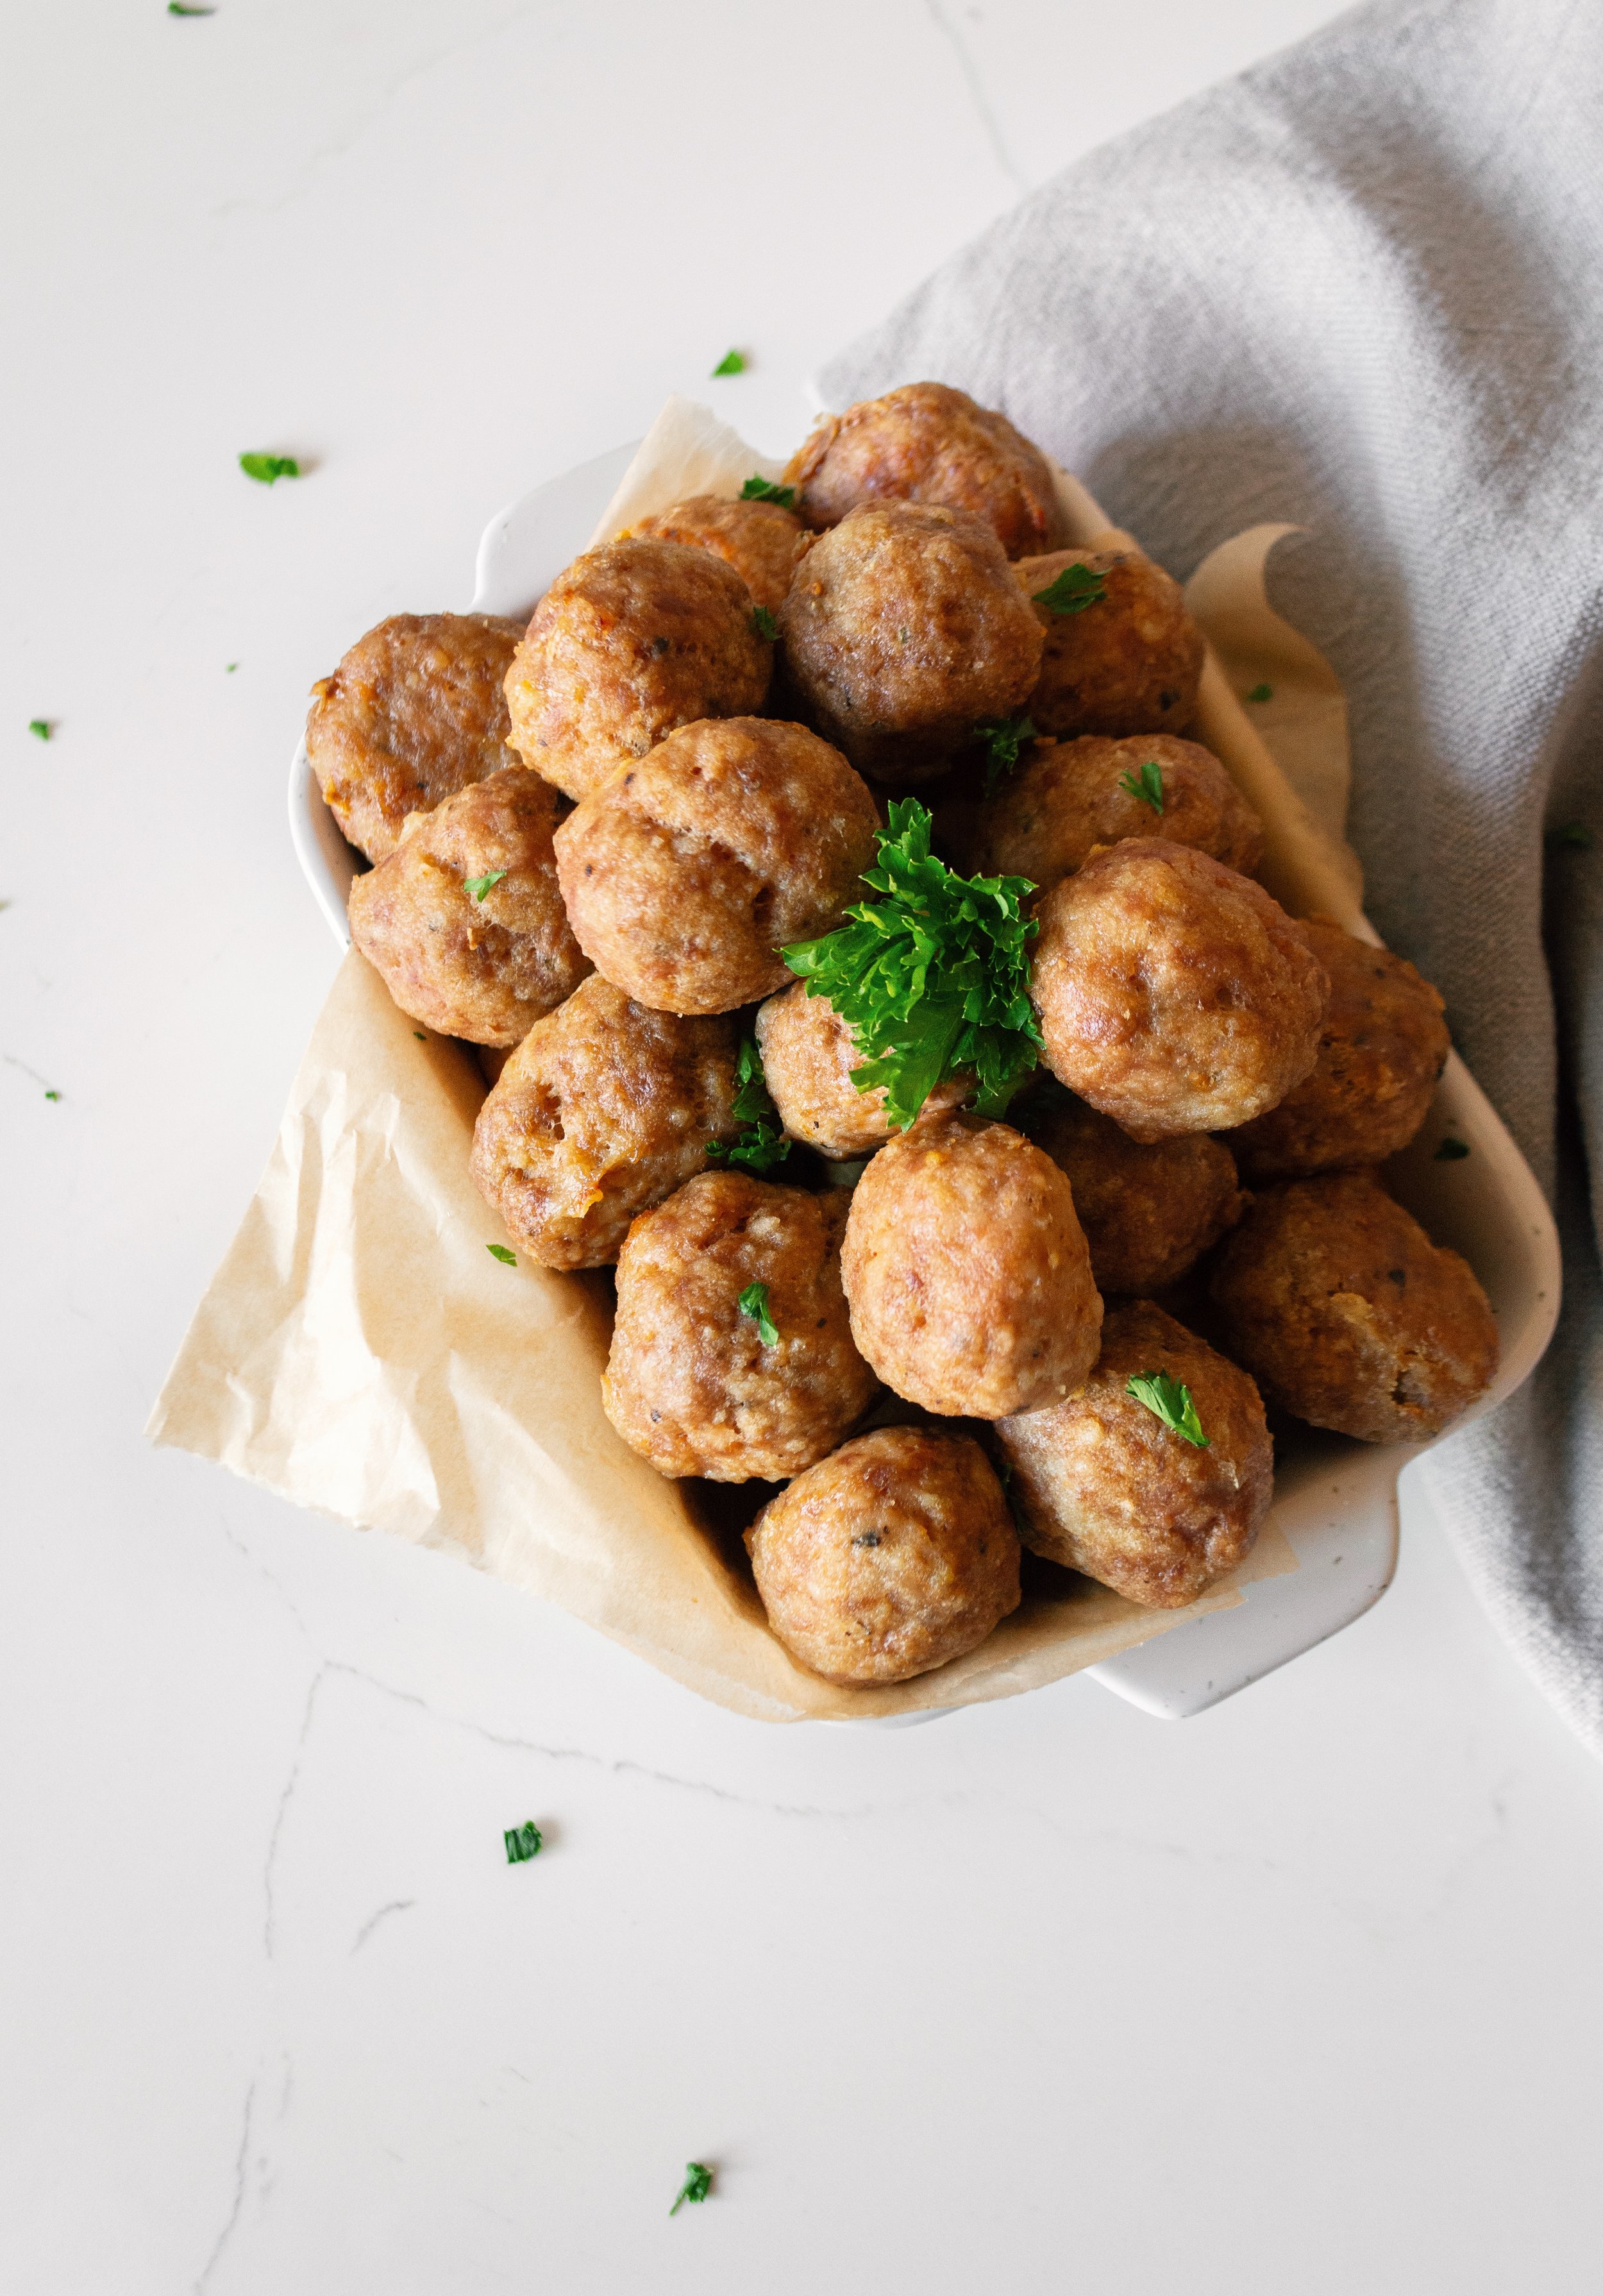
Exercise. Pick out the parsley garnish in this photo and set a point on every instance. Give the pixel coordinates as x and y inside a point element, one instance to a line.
<point>697,2184</point>
<point>764,624</point>
<point>731,363</point>
<point>479,886</point>
<point>178,8</point>
<point>1451,1151</point>
<point>933,979</point>
<point>499,1251</point>
<point>759,489</point>
<point>1572,835</point>
<point>40,728</point>
<point>1149,790</point>
<point>231,665</point>
<point>420,1036</point>
<point>268,469</point>
<point>522,1842</point>
<point>1003,737</point>
<point>762,1144</point>
<point>753,1302</point>
<point>1074,589</point>
<point>1170,1400</point>
<point>1262,694</point>
<point>51,1095</point>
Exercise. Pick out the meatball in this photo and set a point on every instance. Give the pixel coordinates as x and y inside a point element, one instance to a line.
<point>1347,1314</point>
<point>1104,1485</point>
<point>903,627</point>
<point>1174,994</point>
<point>808,1055</point>
<point>415,712</point>
<point>603,1109</point>
<point>1130,663</point>
<point>927,443</point>
<point>464,920</point>
<point>888,1558</point>
<point>686,874</point>
<point>759,539</point>
<point>1149,1209</point>
<point>634,639</point>
<point>967,1271</point>
<point>693,1381</point>
<point>1067,797</point>
<point>1383,1045</point>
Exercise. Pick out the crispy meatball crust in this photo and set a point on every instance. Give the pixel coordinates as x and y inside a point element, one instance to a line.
<point>1174,995</point>
<point>603,1109</point>
<point>489,968</point>
<point>1130,664</point>
<point>635,639</point>
<point>761,540</point>
<point>415,712</point>
<point>1067,797</point>
<point>1101,1484</point>
<point>903,627</point>
<point>1382,1046</point>
<point>967,1272</point>
<point>808,1055</point>
<point>891,1556</point>
<point>1149,1209</point>
<point>1347,1314</point>
<point>689,1382</point>
<point>685,875</point>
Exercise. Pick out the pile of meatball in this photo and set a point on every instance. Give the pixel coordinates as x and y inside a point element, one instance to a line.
<point>591,839</point>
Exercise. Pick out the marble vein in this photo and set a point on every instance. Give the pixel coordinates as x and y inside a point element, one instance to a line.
<point>984,111</point>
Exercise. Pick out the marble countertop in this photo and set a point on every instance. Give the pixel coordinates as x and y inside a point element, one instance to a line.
<point>1303,1995</point>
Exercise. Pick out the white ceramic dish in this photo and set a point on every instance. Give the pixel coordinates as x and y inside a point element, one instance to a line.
<point>1335,1500</point>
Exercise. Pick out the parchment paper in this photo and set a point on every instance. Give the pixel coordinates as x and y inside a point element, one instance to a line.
<point>359,1350</point>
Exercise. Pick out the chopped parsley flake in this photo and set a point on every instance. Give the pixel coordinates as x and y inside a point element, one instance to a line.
<point>1074,589</point>
<point>178,8</point>
<point>697,2184</point>
<point>522,1843</point>
<point>1451,1151</point>
<point>420,1036</point>
<point>753,1302</point>
<point>1003,738</point>
<point>1170,1400</point>
<point>479,886</point>
<point>761,1144</point>
<point>761,489</point>
<point>1149,789</point>
<point>764,624</point>
<point>40,728</point>
<point>268,469</point>
<point>1262,694</point>
<point>1571,836</point>
<point>231,666</point>
<point>731,363</point>
<point>51,1095</point>
<point>933,979</point>
<point>499,1251</point>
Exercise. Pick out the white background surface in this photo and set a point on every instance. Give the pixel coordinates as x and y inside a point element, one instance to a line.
<point>1302,1995</point>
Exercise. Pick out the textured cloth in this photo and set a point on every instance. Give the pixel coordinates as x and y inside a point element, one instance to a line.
<point>1361,287</point>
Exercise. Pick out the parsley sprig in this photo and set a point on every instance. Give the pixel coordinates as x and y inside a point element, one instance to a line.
<point>1170,1400</point>
<point>1003,738</point>
<point>753,1302</point>
<point>933,979</point>
<point>1073,590</point>
<point>1148,788</point>
<point>697,2184</point>
<point>757,489</point>
<point>761,1144</point>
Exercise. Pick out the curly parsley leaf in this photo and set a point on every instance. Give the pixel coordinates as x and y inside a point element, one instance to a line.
<point>753,1302</point>
<point>1262,694</point>
<point>479,886</point>
<point>761,489</point>
<point>697,2184</point>
<point>1003,738</point>
<point>41,728</point>
<point>731,363</point>
<point>1170,1400</point>
<point>1074,589</point>
<point>1451,1151</point>
<point>764,624</point>
<point>761,1144</point>
<point>522,1843</point>
<point>499,1251</point>
<point>268,469</point>
<point>1149,789</point>
<point>933,980</point>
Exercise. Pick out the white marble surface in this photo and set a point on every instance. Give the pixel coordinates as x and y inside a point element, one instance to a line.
<point>1302,1995</point>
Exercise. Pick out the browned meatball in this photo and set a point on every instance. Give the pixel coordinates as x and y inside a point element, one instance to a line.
<point>692,1382</point>
<point>1149,1209</point>
<point>415,712</point>
<point>473,957</point>
<point>1067,797</point>
<point>634,640</point>
<point>1174,994</point>
<point>808,1055</point>
<point>967,1272</point>
<point>903,627</point>
<point>927,443</point>
<point>1383,1045</point>
<point>759,539</point>
<point>686,874</point>
<point>888,1558</point>
<point>1102,1484</point>
<point>1131,663</point>
<point>1347,1314</point>
<point>603,1109</point>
